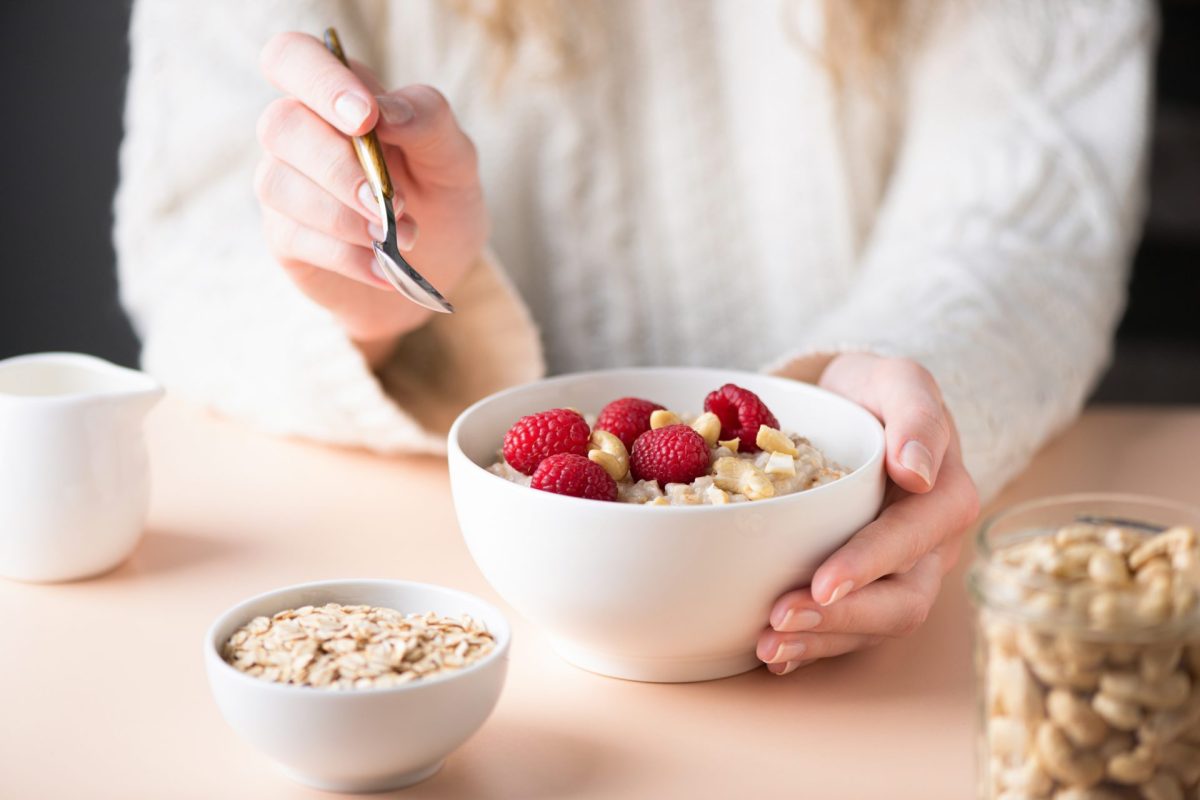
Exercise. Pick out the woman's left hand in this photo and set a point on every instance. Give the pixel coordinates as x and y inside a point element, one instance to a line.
<point>882,583</point>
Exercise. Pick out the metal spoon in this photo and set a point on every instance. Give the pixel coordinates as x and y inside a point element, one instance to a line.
<point>398,272</point>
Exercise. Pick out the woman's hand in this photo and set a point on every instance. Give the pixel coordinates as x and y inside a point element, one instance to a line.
<point>882,583</point>
<point>319,213</point>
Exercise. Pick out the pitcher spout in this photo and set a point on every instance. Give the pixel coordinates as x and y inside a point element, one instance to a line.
<point>75,378</point>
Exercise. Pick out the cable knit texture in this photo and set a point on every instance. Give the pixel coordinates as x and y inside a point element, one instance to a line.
<point>699,193</point>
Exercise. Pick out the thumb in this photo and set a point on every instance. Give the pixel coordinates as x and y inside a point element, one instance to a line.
<point>419,121</point>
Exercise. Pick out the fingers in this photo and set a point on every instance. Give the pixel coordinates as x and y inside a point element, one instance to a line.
<point>902,534</point>
<point>813,647</point>
<point>419,121</point>
<point>292,242</point>
<point>803,631</point>
<point>299,65</point>
<point>906,398</point>
<point>895,606</point>
<point>293,134</point>
<point>283,188</point>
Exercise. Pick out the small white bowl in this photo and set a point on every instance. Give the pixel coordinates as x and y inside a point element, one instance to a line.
<point>359,740</point>
<point>665,594</point>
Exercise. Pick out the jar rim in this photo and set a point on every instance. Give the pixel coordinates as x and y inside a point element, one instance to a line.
<point>984,549</point>
<point>982,579</point>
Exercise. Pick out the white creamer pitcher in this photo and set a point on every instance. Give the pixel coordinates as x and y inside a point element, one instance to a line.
<point>73,473</point>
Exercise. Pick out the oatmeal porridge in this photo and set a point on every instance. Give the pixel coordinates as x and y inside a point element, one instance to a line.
<point>635,451</point>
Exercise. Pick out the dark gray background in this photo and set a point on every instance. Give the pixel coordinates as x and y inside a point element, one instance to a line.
<point>65,64</point>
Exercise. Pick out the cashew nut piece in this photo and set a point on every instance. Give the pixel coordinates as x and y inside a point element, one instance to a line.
<point>730,444</point>
<point>1027,780</point>
<point>774,440</point>
<point>1083,726</point>
<point>1073,534</point>
<point>708,425</point>
<point>1018,693</point>
<point>1074,561</point>
<point>1169,541</point>
<point>661,418</point>
<point>1065,674</point>
<point>1165,726</point>
<point>1105,610</point>
<point>1136,766</point>
<point>1154,606</point>
<point>1166,693</point>
<point>1062,762</point>
<point>610,453</point>
<point>1108,568</point>
<point>780,464</point>
<point>717,496</point>
<point>742,477</point>
<point>1155,569</point>
<point>1121,714</point>
<point>1009,738</point>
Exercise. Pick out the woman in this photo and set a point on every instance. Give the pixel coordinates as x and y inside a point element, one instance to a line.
<point>927,207</point>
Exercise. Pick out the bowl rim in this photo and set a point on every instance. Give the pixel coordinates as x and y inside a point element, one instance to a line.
<point>212,649</point>
<point>875,461</point>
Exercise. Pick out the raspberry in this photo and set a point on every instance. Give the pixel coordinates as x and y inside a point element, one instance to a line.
<point>627,418</point>
<point>574,475</point>
<point>539,436</point>
<point>741,413</point>
<point>674,454</point>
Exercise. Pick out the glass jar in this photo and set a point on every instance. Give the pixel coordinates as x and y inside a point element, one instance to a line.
<point>1088,650</point>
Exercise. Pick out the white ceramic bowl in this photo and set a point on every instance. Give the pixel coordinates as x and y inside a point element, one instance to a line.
<point>651,593</point>
<point>361,740</point>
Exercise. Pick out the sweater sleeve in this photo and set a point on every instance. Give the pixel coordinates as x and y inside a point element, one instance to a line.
<point>220,322</point>
<point>999,257</point>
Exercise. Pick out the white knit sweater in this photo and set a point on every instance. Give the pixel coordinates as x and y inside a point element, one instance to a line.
<point>698,195</point>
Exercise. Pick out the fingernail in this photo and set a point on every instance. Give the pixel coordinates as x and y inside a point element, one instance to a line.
<point>783,669</point>
<point>790,651</point>
<point>804,620</point>
<point>841,591</point>
<point>915,457</point>
<point>351,109</point>
<point>367,198</point>
<point>376,231</point>
<point>395,110</point>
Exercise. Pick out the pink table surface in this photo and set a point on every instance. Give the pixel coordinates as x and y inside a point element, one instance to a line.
<point>103,694</point>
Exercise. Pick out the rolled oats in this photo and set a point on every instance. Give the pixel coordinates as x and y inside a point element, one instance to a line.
<point>354,647</point>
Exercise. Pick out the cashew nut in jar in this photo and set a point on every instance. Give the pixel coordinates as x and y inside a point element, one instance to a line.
<point>1062,761</point>
<point>1083,726</point>
<point>1093,677</point>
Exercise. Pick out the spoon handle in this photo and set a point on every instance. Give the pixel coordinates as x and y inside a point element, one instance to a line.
<point>366,147</point>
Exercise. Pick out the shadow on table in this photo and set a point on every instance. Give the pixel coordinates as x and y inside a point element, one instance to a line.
<point>171,551</point>
<point>529,762</point>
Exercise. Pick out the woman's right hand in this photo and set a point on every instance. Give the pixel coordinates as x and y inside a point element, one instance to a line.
<point>319,213</point>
